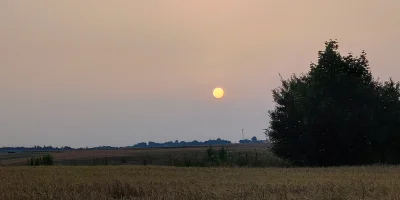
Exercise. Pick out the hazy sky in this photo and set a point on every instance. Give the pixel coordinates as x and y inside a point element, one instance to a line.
<point>97,72</point>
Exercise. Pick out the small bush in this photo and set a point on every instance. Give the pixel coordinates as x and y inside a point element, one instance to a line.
<point>123,160</point>
<point>223,154</point>
<point>41,160</point>
<point>47,159</point>
<point>147,160</point>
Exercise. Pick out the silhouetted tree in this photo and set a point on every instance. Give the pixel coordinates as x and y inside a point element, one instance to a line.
<point>336,114</point>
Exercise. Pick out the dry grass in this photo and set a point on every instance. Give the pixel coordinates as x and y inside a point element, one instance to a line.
<point>140,182</point>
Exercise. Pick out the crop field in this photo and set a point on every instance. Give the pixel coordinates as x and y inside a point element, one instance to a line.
<point>245,172</point>
<point>152,156</point>
<point>159,182</point>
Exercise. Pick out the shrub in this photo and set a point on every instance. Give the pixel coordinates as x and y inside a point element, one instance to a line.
<point>41,160</point>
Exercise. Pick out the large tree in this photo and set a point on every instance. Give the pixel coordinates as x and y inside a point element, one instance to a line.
<point>336,114</point>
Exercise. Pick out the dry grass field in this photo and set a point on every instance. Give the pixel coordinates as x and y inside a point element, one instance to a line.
<point>150,182</point>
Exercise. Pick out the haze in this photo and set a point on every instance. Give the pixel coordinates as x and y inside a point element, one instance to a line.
<point>96,72</point>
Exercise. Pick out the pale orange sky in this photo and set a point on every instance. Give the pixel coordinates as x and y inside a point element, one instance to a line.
<point>99,72</point>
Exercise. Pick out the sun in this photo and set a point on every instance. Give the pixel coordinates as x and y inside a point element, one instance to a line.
<point>218,93</point>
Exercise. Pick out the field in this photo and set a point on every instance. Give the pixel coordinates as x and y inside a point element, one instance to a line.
<point>151,156</point>
<point>254,173</point>
<point>158,182</point>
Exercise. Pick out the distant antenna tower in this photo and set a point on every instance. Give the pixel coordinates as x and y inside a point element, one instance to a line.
<point>242,134</point>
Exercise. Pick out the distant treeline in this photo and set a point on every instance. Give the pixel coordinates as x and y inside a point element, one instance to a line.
<point>253,140</point>
<point>181,143</point>
<point>194,143</point>
<point>149,144</point>
<point>34,148</point>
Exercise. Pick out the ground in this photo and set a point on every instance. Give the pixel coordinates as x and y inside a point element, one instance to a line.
<point>158,156</point>
<point>157,182</point>
<point>133,181</point>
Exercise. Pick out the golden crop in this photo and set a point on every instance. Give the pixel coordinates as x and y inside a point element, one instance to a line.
<point>149,182</point>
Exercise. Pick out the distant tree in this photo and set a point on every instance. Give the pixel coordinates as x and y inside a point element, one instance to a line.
<point>246,141</point>
<point>336,114</point>
<point>254,139</point>
<point>218,141</point>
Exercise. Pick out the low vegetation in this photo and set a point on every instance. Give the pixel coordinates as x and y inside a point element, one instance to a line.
<point>249,155</point>
<point>212,157</point>
<point>41,160</point>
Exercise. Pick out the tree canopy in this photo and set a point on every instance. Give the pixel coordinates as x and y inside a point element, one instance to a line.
<point>336,114</point>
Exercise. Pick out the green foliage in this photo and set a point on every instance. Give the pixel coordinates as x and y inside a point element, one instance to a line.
<point>146,160</point>
<point>41,160</point>
<point>336,114</point>
<point>47,159</point>
<point>94,161</point>
<point>213,156</point>
<point>223,154</point>
<point>97,161</point>
<point>123,160</point>
<point>226,158</point>
<point>241,159</point>
<point>187,161</point>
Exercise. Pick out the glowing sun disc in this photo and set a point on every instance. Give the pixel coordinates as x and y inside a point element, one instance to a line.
<point>218,93</point>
